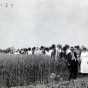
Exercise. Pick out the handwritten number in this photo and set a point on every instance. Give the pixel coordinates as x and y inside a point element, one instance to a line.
<point>6,4</point>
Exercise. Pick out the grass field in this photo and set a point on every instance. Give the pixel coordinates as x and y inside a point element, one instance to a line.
<point>33,71</point>
<point>78,83</point>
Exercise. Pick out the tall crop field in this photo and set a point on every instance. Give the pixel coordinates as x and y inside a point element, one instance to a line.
<point>20,70</point>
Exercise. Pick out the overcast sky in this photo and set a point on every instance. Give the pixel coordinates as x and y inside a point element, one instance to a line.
<point>43,22</point>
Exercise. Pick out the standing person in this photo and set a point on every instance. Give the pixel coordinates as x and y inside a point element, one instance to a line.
<point>73,64</point>
<point>58,50</point>
<point>53,53</point>
<point>53,57</point>
<point>77,54</point>
<point>84,61</point>
<point>33,50</point>
<point>68,58</point>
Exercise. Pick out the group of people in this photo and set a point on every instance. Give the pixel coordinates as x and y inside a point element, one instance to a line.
<point>72,56</point>
<point>75,56</point>
<point>76,59</point>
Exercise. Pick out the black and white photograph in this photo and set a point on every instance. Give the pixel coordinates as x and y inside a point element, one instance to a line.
<point>43,43</point>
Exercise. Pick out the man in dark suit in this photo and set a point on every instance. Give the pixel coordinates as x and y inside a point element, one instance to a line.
<point>72,64</point>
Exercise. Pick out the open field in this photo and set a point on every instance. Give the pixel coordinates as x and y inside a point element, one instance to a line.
<point>35,70</point>
<point>19,70</point>
<point>78,83</point>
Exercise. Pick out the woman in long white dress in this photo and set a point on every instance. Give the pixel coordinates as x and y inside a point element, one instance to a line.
<point>84,61</point>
